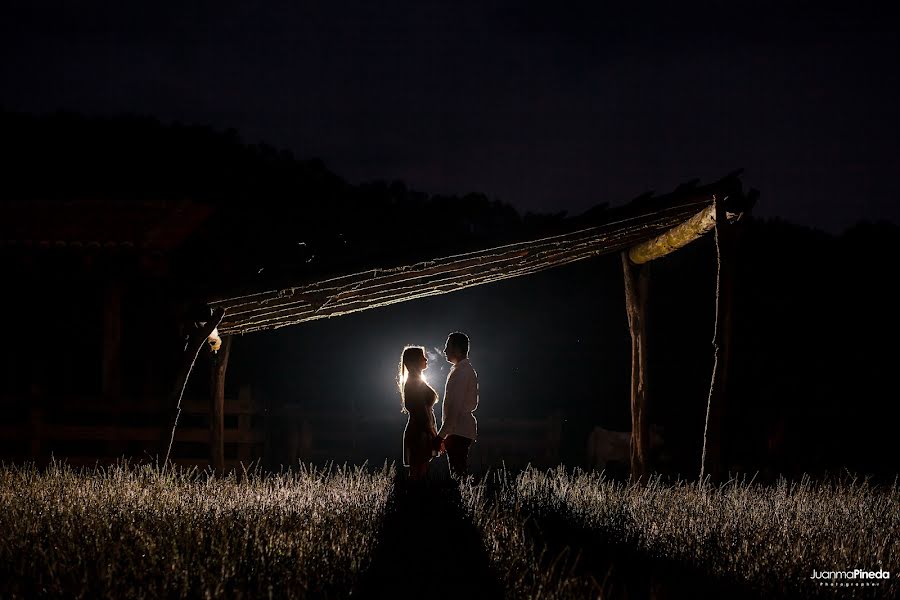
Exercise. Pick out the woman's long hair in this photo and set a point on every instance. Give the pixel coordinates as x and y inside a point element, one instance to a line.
<point>411,355</point>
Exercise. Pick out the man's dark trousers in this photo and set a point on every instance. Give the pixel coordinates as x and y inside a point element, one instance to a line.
<point>457,448</point>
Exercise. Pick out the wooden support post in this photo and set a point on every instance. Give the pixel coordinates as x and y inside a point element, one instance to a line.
<point>217,406</point>
<point>195,341</point>
<point>711,458</point>
<point>636,291</point>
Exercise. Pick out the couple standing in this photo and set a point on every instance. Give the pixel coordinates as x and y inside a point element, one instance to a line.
<point>421,439</point>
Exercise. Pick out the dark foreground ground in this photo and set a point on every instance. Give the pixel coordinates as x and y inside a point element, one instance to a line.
<point>516,541</point>
<point>429,548</point>
<point>138,531</point>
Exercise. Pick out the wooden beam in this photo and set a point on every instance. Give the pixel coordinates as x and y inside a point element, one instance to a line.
<point>673,239</point>
<point>382,287</point>
<point>636,292</point>
<point>217,405</point>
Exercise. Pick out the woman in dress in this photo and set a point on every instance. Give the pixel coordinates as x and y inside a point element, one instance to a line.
<point>417,399</point>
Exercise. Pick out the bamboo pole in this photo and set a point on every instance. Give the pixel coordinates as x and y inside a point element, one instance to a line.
<point>645,220</point>
<point>381,287</point>
<point>673,239</point>
<point>711,457</point>
<point>642,225</point>
<point>191,349</point>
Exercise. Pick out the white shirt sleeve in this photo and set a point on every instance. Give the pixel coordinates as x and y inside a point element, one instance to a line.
<point>448,408</point>
<point>471,393</point>
<point>460,400</point>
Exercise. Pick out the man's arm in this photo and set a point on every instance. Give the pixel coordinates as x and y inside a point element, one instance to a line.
<point>472,392</point>
<point>448,411</point>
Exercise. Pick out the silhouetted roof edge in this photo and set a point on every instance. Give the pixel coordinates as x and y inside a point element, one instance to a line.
<point>603,232</point>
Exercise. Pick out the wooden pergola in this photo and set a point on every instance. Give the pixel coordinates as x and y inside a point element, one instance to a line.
<point>646,229</point>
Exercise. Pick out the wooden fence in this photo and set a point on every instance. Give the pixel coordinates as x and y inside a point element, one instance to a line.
<point>87,432</point>
<point>320,436</point>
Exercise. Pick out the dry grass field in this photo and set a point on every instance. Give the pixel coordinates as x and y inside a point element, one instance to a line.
<point>138,531</point>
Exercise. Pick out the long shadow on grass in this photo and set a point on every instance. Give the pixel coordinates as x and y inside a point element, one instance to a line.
<point>621,571</point>
<point>428,548</point>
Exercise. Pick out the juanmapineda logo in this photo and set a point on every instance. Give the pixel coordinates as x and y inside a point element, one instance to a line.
<point>850,578</point>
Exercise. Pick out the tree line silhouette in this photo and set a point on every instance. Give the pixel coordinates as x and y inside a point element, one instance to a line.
<point>815,317</point>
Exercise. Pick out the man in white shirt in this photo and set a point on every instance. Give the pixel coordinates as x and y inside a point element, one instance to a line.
<point>459,427</point>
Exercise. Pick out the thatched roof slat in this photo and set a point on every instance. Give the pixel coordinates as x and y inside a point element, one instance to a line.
<point>642,221</point>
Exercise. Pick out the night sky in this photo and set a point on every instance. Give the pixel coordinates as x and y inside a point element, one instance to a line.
<point>547,106</point>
